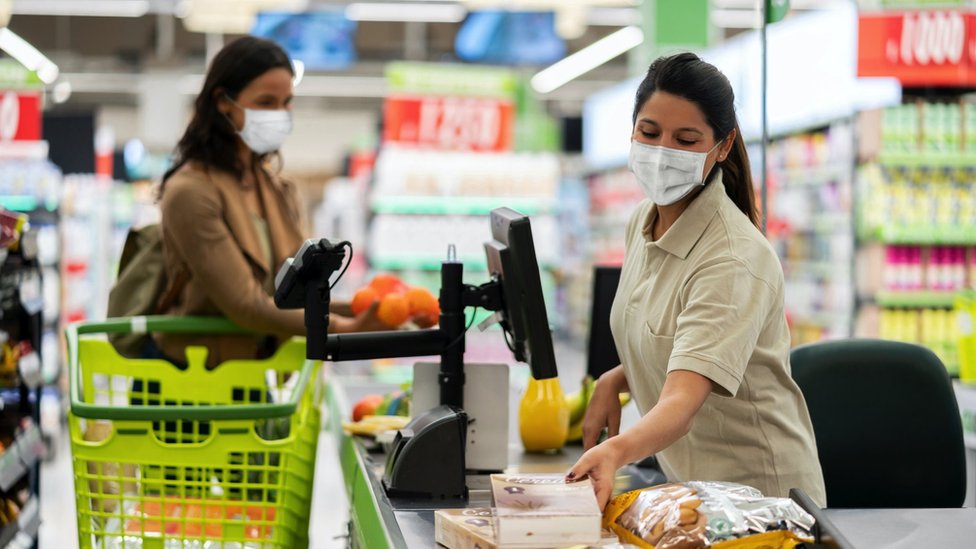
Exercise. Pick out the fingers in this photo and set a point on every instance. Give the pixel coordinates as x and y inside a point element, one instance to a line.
<point>591,434</point>
<point>580,469</point>
<point>604,489</point>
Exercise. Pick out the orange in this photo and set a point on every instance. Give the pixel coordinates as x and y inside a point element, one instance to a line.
<point>425,309</point>
<point>362,299</point>
<point>394,309</point>
<point>385,283</point>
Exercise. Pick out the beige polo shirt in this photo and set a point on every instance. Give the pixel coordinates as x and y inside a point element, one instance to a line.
<point>708,297</point>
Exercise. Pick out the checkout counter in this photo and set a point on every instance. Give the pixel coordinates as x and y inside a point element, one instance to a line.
<point>378,521</point>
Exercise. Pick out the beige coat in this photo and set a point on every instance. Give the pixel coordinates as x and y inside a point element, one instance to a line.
<point>208,234</point>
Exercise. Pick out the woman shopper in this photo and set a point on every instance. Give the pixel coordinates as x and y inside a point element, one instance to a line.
<point>698,316</point>
<point>228,220</point>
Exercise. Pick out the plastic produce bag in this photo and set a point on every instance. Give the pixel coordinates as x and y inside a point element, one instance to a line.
<point>706,514</point>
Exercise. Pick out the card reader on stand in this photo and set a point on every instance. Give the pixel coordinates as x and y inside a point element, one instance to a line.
<point>428,455</point>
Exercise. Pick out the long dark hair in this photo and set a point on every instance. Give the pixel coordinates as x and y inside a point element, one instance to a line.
<point>210,138</point>
<point>686,75</point>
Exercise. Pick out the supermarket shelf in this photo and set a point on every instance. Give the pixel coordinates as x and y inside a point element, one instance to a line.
<point>459,205</point>
<point>823,268</point>
<point>928,160</point>
<point>20,457</point>
<point>423,264</point>
<point>826,319</point>
<point>813,176</point>
<point>916,299</point>
<point>410,263</point>
<point>957,235</point>
<point>26,203</point>
<point>23,532</point>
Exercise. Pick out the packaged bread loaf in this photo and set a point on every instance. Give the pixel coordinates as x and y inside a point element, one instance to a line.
<point>706,514</point>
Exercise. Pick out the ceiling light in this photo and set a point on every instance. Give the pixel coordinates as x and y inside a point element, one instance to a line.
<point>390,11</point>
<point>61,91</point>
<point>28,56</point>
<point>587,59</point>
<point>94,8</point>
<point>298,66</point>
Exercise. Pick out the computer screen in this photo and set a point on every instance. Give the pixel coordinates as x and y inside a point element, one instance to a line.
<point>512,260</point>
<point>601,349</point>
<point>322,39</point>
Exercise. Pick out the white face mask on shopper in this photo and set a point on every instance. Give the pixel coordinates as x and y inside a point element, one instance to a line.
<point>264,130</point>
<point>667,175</point>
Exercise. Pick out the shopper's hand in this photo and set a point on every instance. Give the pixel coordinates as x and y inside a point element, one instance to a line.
<point>600,464</point>
<point>368,321</point>
<point>343,308</point>
<point>603,410</point>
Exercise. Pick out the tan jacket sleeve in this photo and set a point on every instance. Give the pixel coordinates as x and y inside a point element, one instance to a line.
<point>191,214</point>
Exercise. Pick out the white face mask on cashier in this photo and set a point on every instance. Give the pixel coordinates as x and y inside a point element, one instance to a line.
<point>667,175</point>
<point>264,130</point>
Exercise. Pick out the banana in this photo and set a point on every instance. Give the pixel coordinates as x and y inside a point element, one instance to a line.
<point>576,402</point>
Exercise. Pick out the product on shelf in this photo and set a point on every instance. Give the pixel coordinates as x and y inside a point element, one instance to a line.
<point>809,225</point>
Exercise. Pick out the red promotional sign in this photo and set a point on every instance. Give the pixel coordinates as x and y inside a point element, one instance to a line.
<point>920,48</point>
<point>20,116</point>
<point>451,123</point>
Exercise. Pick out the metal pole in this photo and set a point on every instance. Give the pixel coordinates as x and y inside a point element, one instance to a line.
<point>765,127</point>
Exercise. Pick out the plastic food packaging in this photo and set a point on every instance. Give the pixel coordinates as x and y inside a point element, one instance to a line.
<point>706,514</point>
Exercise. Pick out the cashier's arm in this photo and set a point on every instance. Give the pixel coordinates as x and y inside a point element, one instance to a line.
<point>671,418</point>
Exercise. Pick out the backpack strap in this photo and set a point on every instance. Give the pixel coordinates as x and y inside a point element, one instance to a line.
<point>173,290</point>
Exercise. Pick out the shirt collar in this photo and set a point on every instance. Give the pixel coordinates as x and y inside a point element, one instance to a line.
<point>681,237</point>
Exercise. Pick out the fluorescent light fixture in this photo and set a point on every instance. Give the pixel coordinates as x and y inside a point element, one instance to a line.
<point>93,8</point>
<point>613,17</point>
<point>587,59</point>
<point>298,66</point>
<point>397,11</point>
<point>28,56</point>
<point>61,91</point>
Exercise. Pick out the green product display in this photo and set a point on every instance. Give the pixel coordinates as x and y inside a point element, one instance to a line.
<point>451,79</point>
<point>163,455</point>
<point>14,76</point>
<point>914,300</point>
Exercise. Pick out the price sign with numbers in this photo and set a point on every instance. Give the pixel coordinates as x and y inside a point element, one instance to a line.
<point>450,123</point>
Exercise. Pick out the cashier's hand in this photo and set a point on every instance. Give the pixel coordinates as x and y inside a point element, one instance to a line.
<point>600,463</point>
<point>603,411</point>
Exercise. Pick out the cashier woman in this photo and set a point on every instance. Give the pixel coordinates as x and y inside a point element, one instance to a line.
<point>698,317</point>
<point>228,220</point>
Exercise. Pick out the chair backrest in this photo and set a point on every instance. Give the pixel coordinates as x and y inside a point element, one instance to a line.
<point>888,428</point>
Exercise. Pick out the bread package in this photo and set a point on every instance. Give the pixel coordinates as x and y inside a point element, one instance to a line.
<point>706,514</point>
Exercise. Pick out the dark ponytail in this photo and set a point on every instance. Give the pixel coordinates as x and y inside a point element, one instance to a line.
<point>686,75</point>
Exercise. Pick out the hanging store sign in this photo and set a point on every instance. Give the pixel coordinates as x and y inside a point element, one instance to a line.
<point>919,48</point>
<point>407,78</point>
<point>20,116</point>
<point>450,123</point>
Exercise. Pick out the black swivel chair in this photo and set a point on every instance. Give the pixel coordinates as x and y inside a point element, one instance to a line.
<point>887,425</point>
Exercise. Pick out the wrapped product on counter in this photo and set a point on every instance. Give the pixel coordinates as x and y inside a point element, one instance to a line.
<point>706,514</point>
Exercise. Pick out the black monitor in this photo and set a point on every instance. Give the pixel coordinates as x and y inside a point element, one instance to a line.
<point>512,261</point>
<point>601,349</point>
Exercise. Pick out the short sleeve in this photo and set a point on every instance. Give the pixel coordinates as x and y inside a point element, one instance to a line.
<point>725,309</point>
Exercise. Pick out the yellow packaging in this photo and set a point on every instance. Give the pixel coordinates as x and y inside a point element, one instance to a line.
<point>706,514</point>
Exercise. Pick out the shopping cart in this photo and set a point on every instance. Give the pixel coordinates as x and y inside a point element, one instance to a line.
<point>965,317</point>
<point>193,458</point>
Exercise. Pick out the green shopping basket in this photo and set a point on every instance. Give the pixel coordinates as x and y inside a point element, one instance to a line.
<point>164,457</point>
